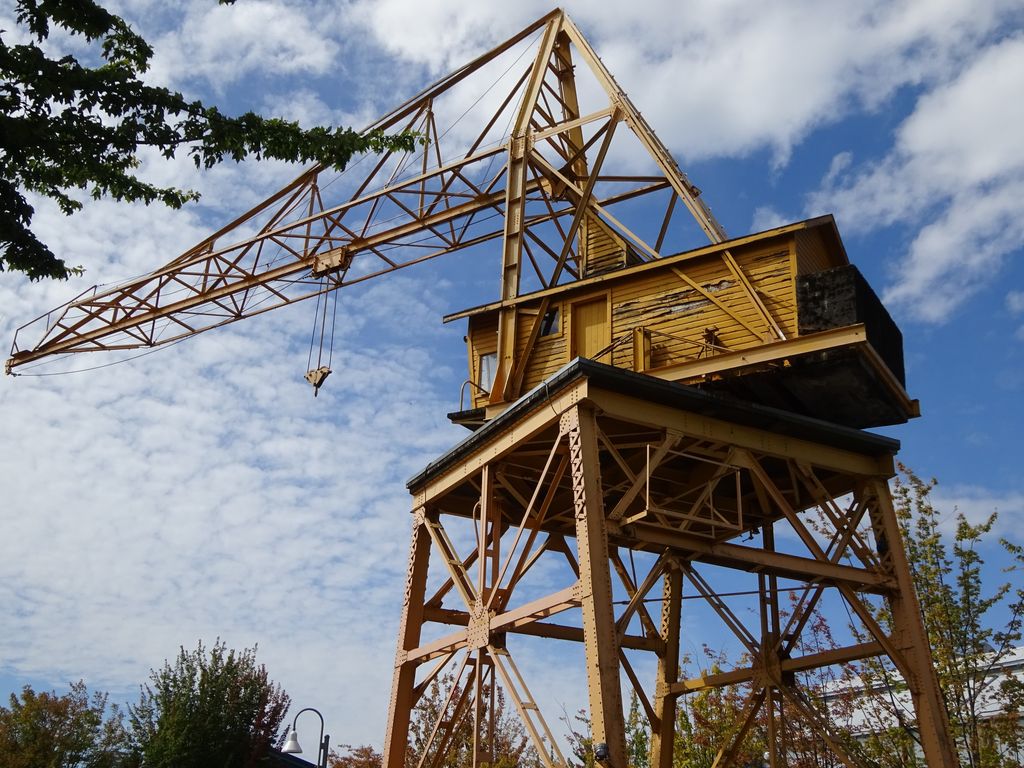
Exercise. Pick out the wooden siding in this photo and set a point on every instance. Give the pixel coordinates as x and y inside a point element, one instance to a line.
<point>677,315</point>
<point>482,339</point>
<point>603,249</point>
<point>549,354</point>
<point>679,321</point>
<point>812,254</point>
<point>591,333</point>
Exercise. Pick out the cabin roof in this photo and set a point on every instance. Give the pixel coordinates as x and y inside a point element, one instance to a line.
<point>826,224</point>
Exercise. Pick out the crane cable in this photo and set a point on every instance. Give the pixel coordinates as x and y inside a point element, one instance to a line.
<point>318,375</point>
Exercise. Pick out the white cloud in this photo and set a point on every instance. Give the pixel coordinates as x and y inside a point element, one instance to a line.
<point>220,44</point>
<point>722,78</point>
<point>1015,304</point>
<point>956,175</point>
<point>204,492</point>
<point>445,33</point>
<point>307,108</point>
<point>766,217</point>
<point>962,251</point>
<point>839,164</point>
<point>976,504</point>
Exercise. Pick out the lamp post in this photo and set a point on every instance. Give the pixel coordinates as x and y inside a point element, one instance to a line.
<point>291,744</point>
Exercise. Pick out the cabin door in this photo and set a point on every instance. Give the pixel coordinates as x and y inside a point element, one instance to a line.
<point>591,331</point>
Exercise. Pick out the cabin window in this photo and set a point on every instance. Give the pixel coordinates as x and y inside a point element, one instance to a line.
<point>550,325</point>
<point>488,366</point>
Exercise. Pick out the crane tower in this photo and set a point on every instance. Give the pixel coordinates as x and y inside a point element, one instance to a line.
<point>657,412</point>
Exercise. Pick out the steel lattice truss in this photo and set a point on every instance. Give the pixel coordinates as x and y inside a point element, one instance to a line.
<point>524,148</point>
<point>577,488</point>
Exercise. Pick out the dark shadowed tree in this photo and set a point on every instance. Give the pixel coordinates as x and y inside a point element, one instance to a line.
<point>211,709</point>
<point>72,123</point>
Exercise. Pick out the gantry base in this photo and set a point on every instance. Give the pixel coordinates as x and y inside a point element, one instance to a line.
<point>600,464</point>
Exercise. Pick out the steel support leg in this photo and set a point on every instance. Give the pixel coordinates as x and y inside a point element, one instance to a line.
<point>908,631</point>
<point>663,730</point>
<point>404,679</point>
<point>600,636</point>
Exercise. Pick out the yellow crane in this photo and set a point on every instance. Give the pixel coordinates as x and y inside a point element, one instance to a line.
<point>642,383</point>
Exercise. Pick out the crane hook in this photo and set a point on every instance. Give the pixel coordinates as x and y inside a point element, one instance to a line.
<point>317,377</point>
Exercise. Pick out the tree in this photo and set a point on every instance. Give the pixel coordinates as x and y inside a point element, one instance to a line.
<point>707,719</point>
<point>66,125</point>
<point>638,737</point>
<point>973,627</point>
<point>355,757</point>
<point>969,642</point>
<point>212,708</point>
<point>581,742</point>
<point>72,730</point>
<point>638,734</point>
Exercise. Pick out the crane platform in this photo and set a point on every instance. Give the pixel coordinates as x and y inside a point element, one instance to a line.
<point>528,524</point>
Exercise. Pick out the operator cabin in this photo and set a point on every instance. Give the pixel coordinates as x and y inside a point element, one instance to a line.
<point>779,318</point>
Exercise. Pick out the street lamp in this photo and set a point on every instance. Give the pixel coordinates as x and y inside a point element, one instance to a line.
<point>291,744</point>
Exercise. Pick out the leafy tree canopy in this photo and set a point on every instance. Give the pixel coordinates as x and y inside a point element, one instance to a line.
<point>973,626</point>
<point>69,731</point>
<point>66,125</point>
<point>355,757</point>
<point>211,708</point>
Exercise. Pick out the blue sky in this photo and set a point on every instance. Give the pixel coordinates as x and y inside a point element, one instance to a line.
<point>202,491</point>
